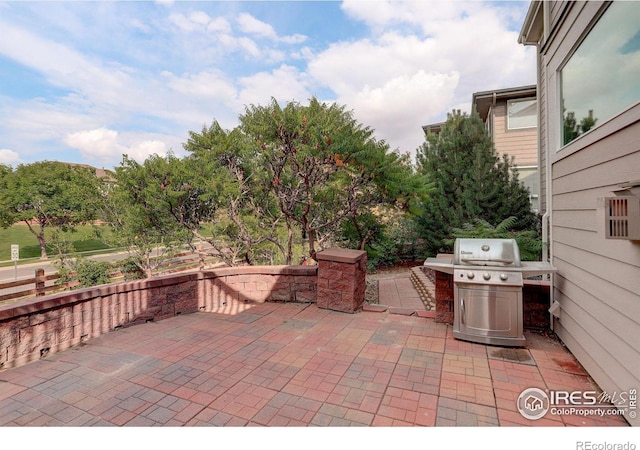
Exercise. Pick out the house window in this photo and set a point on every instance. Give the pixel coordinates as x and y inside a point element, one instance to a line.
<point>522,114</point>
<point>601,78</point>
<point>529,177</point>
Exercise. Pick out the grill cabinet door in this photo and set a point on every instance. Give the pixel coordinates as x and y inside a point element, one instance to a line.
<point>489,311</point>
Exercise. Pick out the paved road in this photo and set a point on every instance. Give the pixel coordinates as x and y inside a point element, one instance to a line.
<point>28,270</point>
<point>24,271</point>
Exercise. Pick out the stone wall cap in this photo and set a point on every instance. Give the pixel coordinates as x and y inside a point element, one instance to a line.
<point>298,270</point>
<point>341,255</point>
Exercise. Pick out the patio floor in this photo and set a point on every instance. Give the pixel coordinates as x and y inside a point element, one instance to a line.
<point>291,364</point>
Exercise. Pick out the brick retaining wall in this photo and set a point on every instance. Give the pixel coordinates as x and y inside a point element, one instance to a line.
<point>31,329</point>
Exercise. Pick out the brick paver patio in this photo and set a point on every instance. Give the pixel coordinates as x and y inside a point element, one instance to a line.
<point>286,364</point>
<point>399,294</point>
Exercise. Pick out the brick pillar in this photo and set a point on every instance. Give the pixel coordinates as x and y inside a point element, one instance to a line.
<point>341,279</point>
<point>444,297</point>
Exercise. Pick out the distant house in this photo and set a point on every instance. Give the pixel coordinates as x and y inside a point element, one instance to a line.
<point>588,72</point>
<point>107,176</point>
<point>510,116</point>
<point>432,128</point>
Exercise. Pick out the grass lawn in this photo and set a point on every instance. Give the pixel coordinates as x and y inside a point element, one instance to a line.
<point>83,240</point>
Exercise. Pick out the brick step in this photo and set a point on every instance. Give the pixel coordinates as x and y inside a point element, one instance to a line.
<point>425,287</point>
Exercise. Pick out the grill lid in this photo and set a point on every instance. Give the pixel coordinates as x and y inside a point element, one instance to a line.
<point>486,252</point>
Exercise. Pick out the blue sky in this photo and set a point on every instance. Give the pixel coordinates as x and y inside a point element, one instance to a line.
<point>89,81</point>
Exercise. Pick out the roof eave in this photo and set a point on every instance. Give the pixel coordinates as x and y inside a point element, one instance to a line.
<point>482,101</point>
<point>532,29</point>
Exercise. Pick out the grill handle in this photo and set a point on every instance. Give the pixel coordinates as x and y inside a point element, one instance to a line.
<point>462,314</point>
<point>493,260</point>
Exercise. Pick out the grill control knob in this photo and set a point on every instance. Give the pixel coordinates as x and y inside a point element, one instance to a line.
<point>470,275</point>
<point>486,276</point>
<point>504,276</point>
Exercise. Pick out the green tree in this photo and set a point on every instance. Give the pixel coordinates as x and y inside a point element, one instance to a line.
<point>47,195</point>
<point>283,174</point>
<point>529,242</point>
<point>471,182</point>
<point>227,173</point>
<point>5,173</point>
<point>323,167</point>
<point>572,129</point>
<point>138,209</point>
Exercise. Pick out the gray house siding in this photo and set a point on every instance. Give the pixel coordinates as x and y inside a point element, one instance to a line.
<point>555,11</point>
<point>598,279</point>
<point>542,145</point>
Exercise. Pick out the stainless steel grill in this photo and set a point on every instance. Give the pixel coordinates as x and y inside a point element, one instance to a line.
<point>488,279</point>
<point>488,298</point>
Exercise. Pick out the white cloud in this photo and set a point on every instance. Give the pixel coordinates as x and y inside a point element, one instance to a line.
<point>382,14</point>
<point>419,60</point>
<point>250,25</point>
<point>201,21</point>
<point>426,58</point>
<point>102,145</point>
<point>9,157</point>
<point>139,25</point>
<point>200,17</point>
<point>471,37</point>
<point>143,150</point>
<point>219,25</point>
<point>244,43</point>
<point>294,39</point>
<point>213,84</point>
<point>63,66</point>
<point>350,66</point>
<point>398,108</point>
<point>42,120</point>
<point>284,84</point>
<point>183,22</point>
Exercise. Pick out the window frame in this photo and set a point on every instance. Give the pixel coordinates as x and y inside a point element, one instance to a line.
<point>587,32</point>
<point>520,100</point>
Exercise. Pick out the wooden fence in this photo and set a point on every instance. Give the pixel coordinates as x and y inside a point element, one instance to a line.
<point>41,285</point>
<point>39,281</point>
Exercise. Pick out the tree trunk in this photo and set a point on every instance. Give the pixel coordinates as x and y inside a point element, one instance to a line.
<point>43,245</point>
<point>289,255</point>
<point>312,243</point>
<point>148,269</point>
<point>362,239</point>
<point>41,239</point>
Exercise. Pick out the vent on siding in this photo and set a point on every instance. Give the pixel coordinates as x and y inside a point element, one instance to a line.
<point>622,215</point>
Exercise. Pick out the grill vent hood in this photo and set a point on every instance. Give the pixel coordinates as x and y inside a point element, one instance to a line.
<point>486,252</point>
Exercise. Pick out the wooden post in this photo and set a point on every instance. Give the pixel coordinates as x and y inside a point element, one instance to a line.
<point>40,283</point>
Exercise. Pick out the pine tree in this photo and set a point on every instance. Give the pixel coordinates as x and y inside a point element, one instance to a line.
<point>471,182</point>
